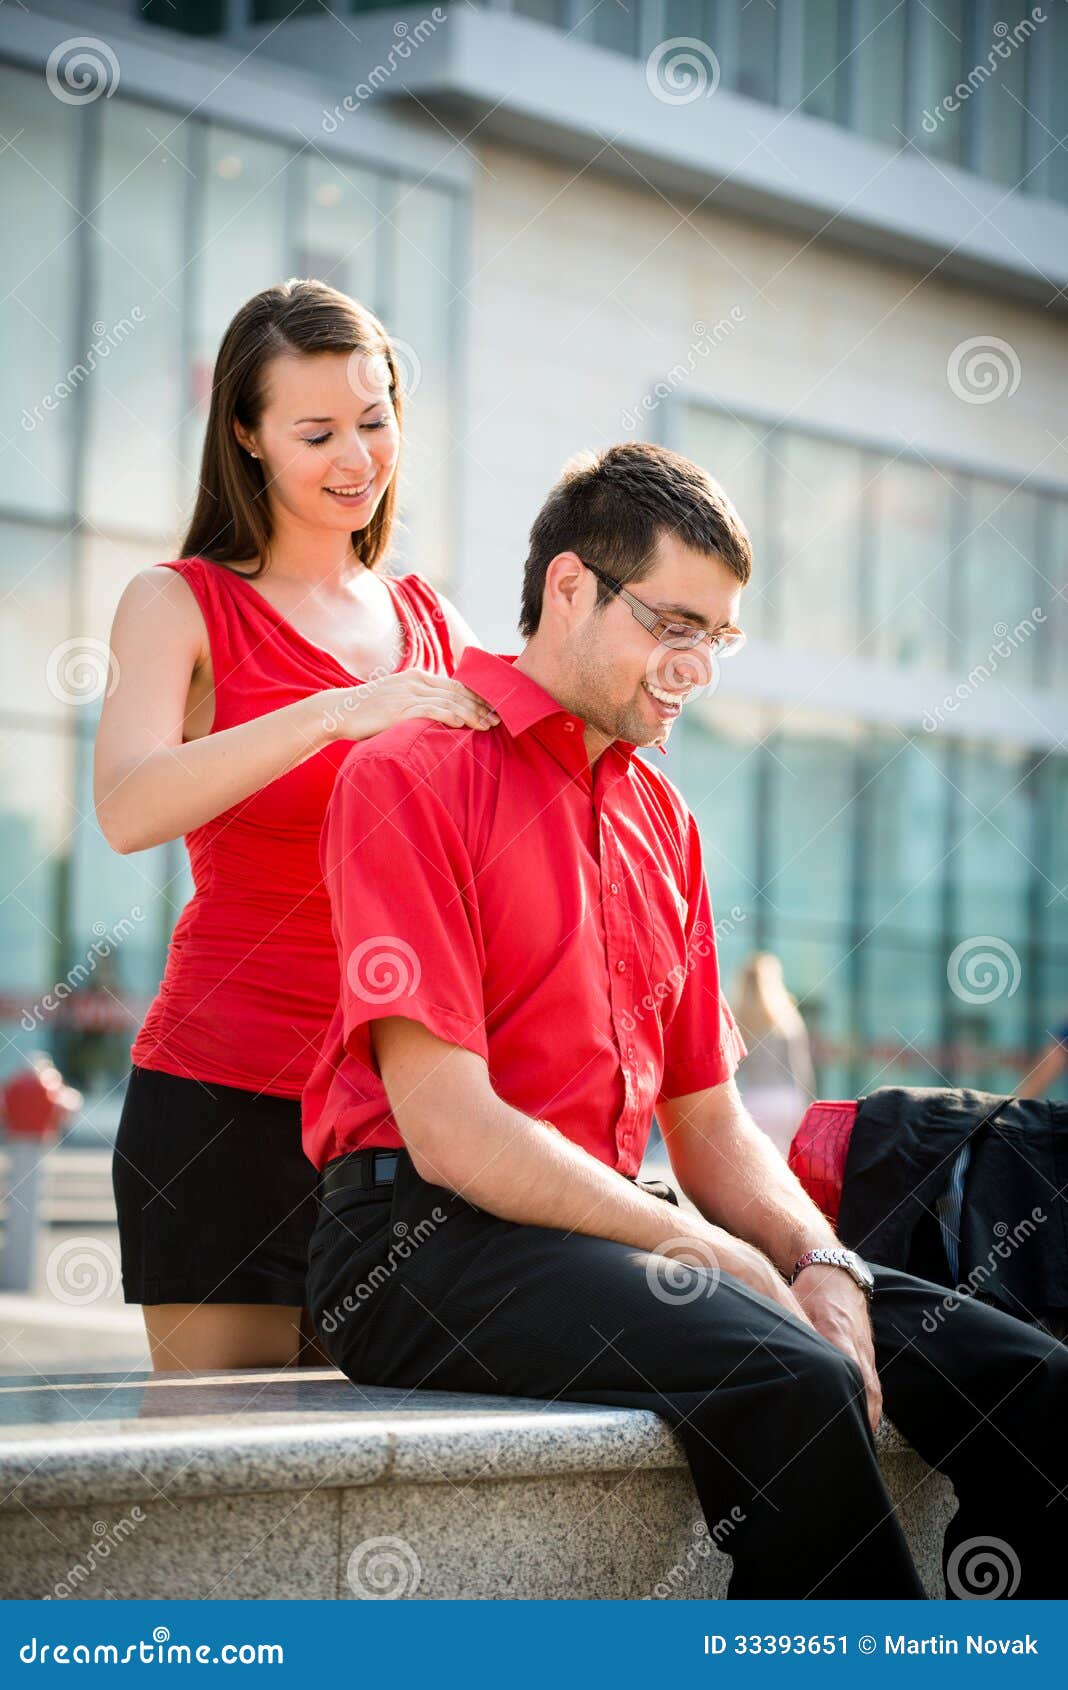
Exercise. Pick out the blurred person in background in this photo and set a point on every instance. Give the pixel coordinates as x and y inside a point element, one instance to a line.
<point>244,672</point>
<point>776,1078</point>
<point>1051,1065</point>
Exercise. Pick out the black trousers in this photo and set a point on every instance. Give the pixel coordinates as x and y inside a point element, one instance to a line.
<point>417,1288</point>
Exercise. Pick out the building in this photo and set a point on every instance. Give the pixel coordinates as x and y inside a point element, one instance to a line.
<point>821,247</point>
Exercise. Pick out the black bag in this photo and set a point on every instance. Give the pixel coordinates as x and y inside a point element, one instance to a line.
<point>1012,1239</point>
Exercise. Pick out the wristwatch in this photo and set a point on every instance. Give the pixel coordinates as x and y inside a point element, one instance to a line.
<point>854,1265</point>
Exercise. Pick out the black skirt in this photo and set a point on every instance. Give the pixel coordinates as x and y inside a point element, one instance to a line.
<point>215,1196</point>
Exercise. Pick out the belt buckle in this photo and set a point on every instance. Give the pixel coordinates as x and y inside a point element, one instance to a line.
<point>383,1175</point>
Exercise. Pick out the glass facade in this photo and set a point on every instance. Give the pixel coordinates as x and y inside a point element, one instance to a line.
<point>956,79</point>
<point>139,235</point>
<point>875,860</point>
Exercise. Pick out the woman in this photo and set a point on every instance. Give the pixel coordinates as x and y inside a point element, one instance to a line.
<point>243,673</point>
<point>775,1079</point>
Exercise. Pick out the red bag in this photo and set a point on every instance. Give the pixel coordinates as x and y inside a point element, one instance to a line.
<point>819,1149</point>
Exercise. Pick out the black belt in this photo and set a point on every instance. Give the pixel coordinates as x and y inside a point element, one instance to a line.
<point>360,1170</point>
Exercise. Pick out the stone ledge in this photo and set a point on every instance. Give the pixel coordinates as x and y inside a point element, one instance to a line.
<point>80,1438</point>
<point>263,1483</point>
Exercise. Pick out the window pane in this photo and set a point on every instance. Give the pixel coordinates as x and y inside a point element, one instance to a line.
<point>1055,565</point>
<point>939,59</point>
<point>1053,999</point>
<point>757,73</point>
<point>824,65</point>
<point>614,24</point>
<point>811,821</point>
<point>540,11</point>
<point>36,821</point>
<point>735,454</point>
<point>421,320</point>
<point>914,513</point>
<point>880,73</point>
<point>816,971</point>
<point>49,667</point>
<point>1056,44</point>
<point>819,542</point>
<point>336,228</point>
<point>1002,583</point>
<point>905,799</point>
<point>242,249</point>
<point>999,109</point>
<point>992,863</point>
<point>37,194</point>
<point>689,18</point>
<point>1053,882</point>
<point>720,754</point>
<point>901,1022</point>
<point>137,394</point>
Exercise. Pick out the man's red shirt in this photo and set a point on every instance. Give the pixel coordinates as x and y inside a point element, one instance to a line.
<point>552,918</point>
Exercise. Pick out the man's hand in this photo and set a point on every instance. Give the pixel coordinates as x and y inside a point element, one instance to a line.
<point>705,1245</point>
<point>838,1309</point>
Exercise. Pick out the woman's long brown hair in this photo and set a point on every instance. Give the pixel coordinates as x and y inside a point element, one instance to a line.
<point>231,519</point>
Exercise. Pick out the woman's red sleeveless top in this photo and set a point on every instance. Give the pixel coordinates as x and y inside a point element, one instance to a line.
<point>252,975</point>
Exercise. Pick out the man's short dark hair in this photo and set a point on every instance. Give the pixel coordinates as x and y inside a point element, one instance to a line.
<point>611,508</point>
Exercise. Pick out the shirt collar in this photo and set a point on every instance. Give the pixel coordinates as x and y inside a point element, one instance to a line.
<point>518,699</point>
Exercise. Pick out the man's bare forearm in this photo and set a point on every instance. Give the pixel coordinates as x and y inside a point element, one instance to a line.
<point>734,1175</point>
<point>464,1137</point>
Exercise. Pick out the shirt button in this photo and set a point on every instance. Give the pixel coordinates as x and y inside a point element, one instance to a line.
<point>630,1053</point>
<point>614,888</point>
<point>569,727</point>
<point>621,966</point>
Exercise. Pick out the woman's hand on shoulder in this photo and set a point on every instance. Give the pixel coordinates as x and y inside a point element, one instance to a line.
<point>361,712</point>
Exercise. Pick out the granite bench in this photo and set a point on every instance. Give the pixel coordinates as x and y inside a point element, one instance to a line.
<point>299,1484</point>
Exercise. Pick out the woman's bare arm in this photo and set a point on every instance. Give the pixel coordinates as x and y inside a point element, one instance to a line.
<point>149,786</point>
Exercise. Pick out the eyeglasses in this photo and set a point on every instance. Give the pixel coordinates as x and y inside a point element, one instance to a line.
<point>681,636</point>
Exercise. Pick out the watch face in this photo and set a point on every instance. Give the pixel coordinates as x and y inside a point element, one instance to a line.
<point>864,1270</point>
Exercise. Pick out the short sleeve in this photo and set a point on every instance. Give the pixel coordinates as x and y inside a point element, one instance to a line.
<point>702,1044</point>
<point>403,908</point>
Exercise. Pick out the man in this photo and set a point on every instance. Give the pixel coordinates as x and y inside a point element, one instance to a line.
<point>529,967</point>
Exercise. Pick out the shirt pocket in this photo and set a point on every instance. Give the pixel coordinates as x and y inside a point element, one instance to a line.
<point>664,936</point>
